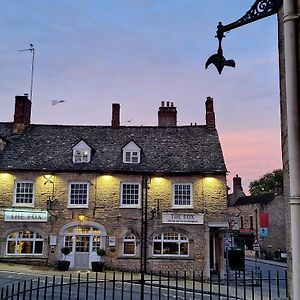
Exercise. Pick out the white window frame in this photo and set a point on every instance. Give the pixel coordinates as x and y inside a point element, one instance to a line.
<point>131,153</point>
<point>31,204</point>
<point>139,195</point>
<point>129,238</point>
<point>174,205</point>
<point>19,239</point>
<point>163,240</point>
<point>81,153</point>
<point>72,205</point>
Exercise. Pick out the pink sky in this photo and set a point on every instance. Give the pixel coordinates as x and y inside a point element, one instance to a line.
<point>139,53</point>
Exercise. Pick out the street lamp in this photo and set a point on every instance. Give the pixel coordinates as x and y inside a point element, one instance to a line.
<point>259,10</point>
<point>291,55</point>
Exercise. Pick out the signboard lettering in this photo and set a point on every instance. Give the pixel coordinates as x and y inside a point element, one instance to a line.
<point>25,216</point>
<point>183,218</point>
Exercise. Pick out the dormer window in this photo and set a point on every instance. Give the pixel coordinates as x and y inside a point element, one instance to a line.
<point>131,153</point>
<point>81,153</point>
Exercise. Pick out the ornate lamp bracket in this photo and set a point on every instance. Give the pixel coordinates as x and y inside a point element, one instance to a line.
<point>259,10</point>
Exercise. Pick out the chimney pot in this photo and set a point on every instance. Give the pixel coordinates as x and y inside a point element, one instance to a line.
<point>162,103</point>
<point>167,115</point>
<point>237,184</point>
<point>115,122</point>
<point>210,114</point>
<point>22,114</point>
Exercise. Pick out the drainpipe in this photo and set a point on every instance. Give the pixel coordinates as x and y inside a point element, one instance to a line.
<point>290,20</point>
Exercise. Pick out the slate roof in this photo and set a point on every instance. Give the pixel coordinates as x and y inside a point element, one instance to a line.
<point>256,199</point>
<point>181,149</point>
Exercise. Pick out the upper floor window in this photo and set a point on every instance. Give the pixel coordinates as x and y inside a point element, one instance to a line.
<point>129,244</point>
<point>130,194</point>
<point>131,153</point>
<point>81,153</point>
<point>78,194</point>
<point>182,195</point>
<point>24,193</point>
<point>24,243</point>
<point>170,244</point>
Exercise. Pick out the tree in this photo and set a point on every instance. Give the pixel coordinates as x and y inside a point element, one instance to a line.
<point>267,183</point>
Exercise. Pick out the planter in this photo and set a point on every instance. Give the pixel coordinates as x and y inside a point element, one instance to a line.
<point>63,265</point>
<point>97,266</point>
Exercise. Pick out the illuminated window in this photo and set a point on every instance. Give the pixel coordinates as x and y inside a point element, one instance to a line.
<point>131,153</point>
<point>129,244</point>
<point>182,195</point>
<point>24,243</point>
<point>81,153</point>
<point>130,194</point>
<point>78,194</point>
<point>170,244</point>
<point>24,193</point>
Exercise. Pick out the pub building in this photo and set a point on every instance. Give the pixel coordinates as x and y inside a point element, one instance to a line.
<point>154,197</point>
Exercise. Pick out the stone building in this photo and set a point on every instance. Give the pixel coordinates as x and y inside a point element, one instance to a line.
<point>259,218</point>
<point>153,197</point>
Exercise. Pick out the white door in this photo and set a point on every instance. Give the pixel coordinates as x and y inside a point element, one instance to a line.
<point>82,252</point>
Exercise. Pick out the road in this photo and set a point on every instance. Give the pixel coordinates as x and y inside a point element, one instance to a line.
<point>116,290</point>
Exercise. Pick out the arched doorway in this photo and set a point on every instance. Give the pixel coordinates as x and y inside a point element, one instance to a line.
<point>83,238</point>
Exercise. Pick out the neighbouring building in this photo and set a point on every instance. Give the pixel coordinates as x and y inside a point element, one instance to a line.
<point>258,221</point>
<point>154,197</point>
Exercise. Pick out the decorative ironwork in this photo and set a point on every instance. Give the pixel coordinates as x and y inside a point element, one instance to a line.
<point>259,10</point>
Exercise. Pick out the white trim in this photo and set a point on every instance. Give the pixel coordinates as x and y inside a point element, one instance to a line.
<point>81,147</point>
<point>191,195</point>
<point>139,195</point>
<point>130,148</point>
<point>69,195</point>
<point>15,194</point>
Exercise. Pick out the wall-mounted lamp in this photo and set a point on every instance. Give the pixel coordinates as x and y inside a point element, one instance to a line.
<point>81,217</point>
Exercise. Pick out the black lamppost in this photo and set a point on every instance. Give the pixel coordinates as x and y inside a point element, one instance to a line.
<point>259,10</point>
<point>291,54</point>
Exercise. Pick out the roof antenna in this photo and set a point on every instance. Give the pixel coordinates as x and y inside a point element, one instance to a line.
<point>31,49</point>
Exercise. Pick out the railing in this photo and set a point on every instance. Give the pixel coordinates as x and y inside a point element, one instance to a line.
<point>121,285</point>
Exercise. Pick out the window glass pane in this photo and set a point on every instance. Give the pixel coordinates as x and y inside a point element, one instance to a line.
<point>69,241</point>
<point>129,248</point>
<point>182,194</point>
<point>78,193</point>
<point>96,242</point>
<point>157,248</point>
<point>170,248</point>
<point>184,249</point>
<point>82,243</point>
<point>24,192</point>
<point>130,194</point>
<point>38,247</point>
<point>11,245</point>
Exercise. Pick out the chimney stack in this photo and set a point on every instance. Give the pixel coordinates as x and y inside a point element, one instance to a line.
<point>237,184</point>
<point>22,114</point>
<point>115,122</point>
<point>210,114</point>
<point>167,114</point>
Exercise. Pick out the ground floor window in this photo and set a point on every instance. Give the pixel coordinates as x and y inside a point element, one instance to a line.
<point>25,243</point>
<point>170,244</point>
<point>129,244</point>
